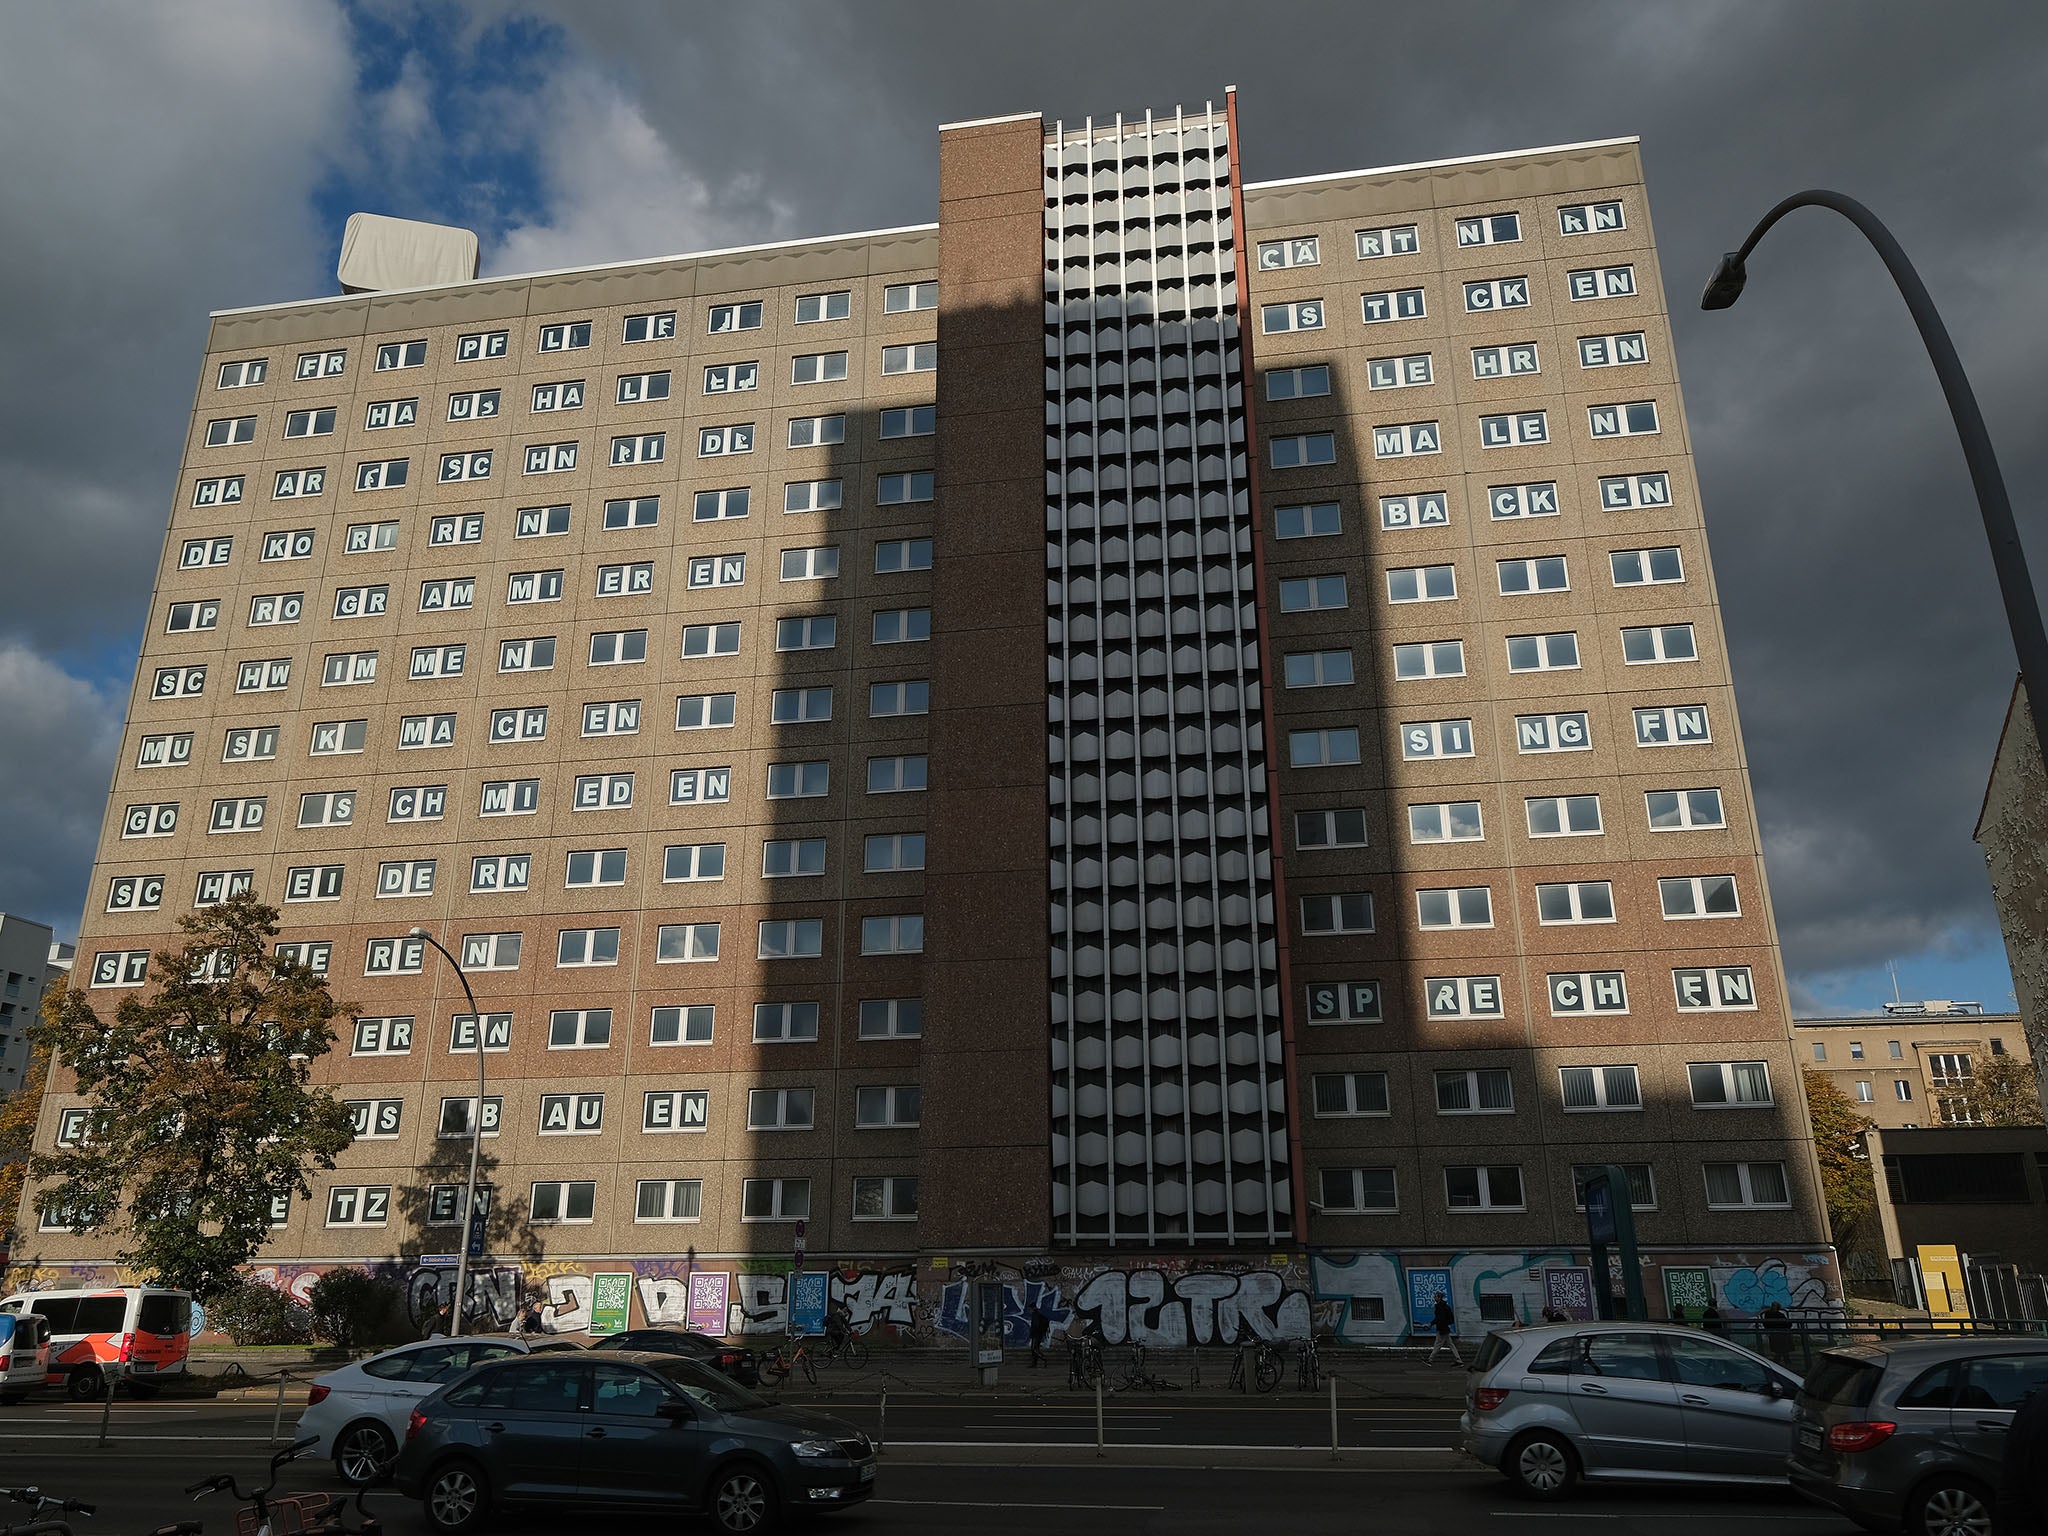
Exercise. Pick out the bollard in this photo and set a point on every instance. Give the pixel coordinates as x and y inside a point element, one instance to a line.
<point>277,1418</point>
<point>1333,1416</point>
<point>1099,1450</point>
<point>106,1411</point>
<point>882,1430</point>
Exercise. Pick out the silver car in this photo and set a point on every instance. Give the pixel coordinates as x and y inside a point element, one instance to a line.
<point>1626,1402</point>
<point>358,1413</point>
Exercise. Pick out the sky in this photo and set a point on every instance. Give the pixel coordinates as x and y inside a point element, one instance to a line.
<point>168,160</point>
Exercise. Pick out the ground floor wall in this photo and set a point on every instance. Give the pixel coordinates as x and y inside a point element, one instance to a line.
<point>1355,1296</point>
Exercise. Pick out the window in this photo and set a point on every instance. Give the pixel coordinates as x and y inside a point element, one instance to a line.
<point>632,512</point>
<point>491,873</point>
<point>1469,906</point>
<point>817,367</point>
<point>902,626</point>
<point>775,1199</point>
<point>591,867</point>
<point>522,723</point>
<point>1484,1091</point>
<point>1329,829</point>
<point>322,882</point>
<point>289,607</point>
<point>686,943</point>
<point>711,640</point>
<point>1679,810</point>
<point>474,405</point>
<point>536,654</point>
<point>587,946</point>
<point>1601,282</point>
<point>891,1018</point>
<point>1586,992</point>
<point>1350,913</point>
<point>885,1197</point>
<point>1408,372</point>
<point>378,475</point>
<point>896,775</point>
<point>533,587</point>
<point>571,1114</point>
<point>814,431</point>
<point>1642,1188</point>
<point>490,951</point>
<point>1450,821</point>
<point>430,662</point>
<point>1646,567</point>
<point>1563,815</point>
<point>618,718</point>
<point>383,1036</point>
<point>240,814</point>
<point>1429,658</point>
<point>893,555</point>
<point>799,706</point>
<point>1322,749</point>
<point>1351,1190</point>
<point>159,820</point>
<point>1576,901</point>
<point>894,490</point>
<point>602,792</point>
<point>668,1199</point>
<point>563,395</point>
<point>1304,383</point>
<point>886,852</point>
<point>449,592</point>
<point>622,580</point>
<point>1691,896</point>
<point>911,697</point>
<point>1392,304</point>
<point>1820,1051</point>
<point>715,571</point>
<point>914,357</point>
<point>1589,218</point>
<point>679,862</point>
<point>1494,1188</point>
<point>1496,293</point>
<point>1300,315</point>
<point>1864,1094</point>
<point>358,1205</point>
<point>1393,240</point>
<point>900,298</point>
<point>1672,725</point>
<point>466,466</point>
<point>814,632</point>
<point>1490,229</point>
<point>425,802</point>
<point>1902,1090</point>
<point>230,431</point>
<point>781,1109</point>
<point>135,893</point>
<point>1626,493</point>
<point>785,1022</point>
<point>1729,1084</point>
<point>1745,1186</point>
<point>481,346</point>
<point>577,1029</point>
<point>554,1202</point>
<point>900,934</point>
<point>184,618</point>
<point>715,442</point>
<point>700,786</point>
<point>1309,521</point>
<point>794,781</point>
<point>819,564</point>
<point>637,388</point>
<point>1421,584</point>
<point>1343,1095</point>
<point>1637,418</point>
<point>219,884</point>
<point>717,506</point>
<point>1407,440</point>
<point>1505,362</point>
<point>256,744</point>
<point>224,490</point>
<point>886,1108</point>
<point>1344,1002</point>
<point>1514,429</point>
<point>1462,997</point>
<point>285,544</point>
<point>1594,1088</point>
<point>1615,351</point>
<point>812,495</point>
<point>783,857</point>
<point>1306,594</point>
<point>244,374</point>
<point>1304,449</point>
<point>1544,573</point>
<point>683,1026</point>
<point>1543,653</point>
<point>120,967</point>
<point>263,676</point>
<point>1435,738</point>
<point>459,1116</point>
<point>375,1119</point>
<point>1894,1050</point>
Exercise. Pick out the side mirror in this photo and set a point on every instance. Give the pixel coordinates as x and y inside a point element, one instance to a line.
<point>676,1411</point>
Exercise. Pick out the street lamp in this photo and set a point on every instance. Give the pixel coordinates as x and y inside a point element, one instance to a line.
<point>2022,608</point>
<point>476,1139</point>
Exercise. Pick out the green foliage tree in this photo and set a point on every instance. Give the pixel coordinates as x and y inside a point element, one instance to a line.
<point>19,1112</point>
<point>2003,1091</point>
<point>251,1312</point>
<point>1845,1179</point>
<point>350,1305</point>
<point>200,1108</point>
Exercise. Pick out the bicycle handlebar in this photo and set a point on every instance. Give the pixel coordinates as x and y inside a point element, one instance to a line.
<point>39,1501</point>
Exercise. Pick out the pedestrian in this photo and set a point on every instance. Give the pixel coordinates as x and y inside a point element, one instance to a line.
<point>1445,1322</point>
<point>528,1324</point>
<point>1554,1314</point>
<point>1711,1319</point>
<point>2021,1507</point>
<point>1678,1314</point>
<point>1778,1334</point>
<point>437,1321</point>
<point>1041,1326</point>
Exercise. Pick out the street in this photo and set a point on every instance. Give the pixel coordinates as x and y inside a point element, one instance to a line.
<point>1188,1469</point>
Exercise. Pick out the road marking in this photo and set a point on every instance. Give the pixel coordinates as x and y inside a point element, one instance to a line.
<point>117,1433</point>
<point>1174,1445</point>
<point>1648,1514</point>
<point>1146,1509</point>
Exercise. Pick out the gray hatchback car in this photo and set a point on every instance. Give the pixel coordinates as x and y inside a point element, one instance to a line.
<point>626,1430</point>
<point>1626,1402</point>
<point>1908,1436</point>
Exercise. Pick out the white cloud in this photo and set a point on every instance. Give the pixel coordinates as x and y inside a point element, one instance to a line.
<point>51,802</point>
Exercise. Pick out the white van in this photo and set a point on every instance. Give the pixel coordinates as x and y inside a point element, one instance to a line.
<point>102,1334</point>
<point>24,1354</point>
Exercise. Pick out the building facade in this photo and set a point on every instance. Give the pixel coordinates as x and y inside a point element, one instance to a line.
<point>1911,1066</point>
<point>28,959</point>
<point>2012,829</point>
<point>1218,801</point>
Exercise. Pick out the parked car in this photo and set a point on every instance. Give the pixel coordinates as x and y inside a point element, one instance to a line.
<point>741,1365</point>
<point>1626,1402</point>
<point>1908,1436</point>
<point>627,1429</point>
<point>358,1413</point>
<point>98,1336</point>
<point>24,1354</point>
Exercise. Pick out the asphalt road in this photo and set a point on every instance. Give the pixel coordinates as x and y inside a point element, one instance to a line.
<point>990,1467</point>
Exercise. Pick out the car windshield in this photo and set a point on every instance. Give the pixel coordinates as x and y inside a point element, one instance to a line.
<point>1840,1381</point>
<point>707,1386</point>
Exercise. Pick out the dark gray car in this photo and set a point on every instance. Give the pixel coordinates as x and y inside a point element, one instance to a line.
<point>1908,1436</point>
<point>630,1430</point>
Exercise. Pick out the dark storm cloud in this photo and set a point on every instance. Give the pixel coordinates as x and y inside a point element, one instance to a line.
<point>1867,639</point>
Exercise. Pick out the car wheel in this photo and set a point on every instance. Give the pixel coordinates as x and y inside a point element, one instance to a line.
<point>360,1452</point>
<point>743,1500</point>
<point>1542,1465</point>
<point>85,1384</point>
<point>456,1497</point>
<point>1950,1506</point>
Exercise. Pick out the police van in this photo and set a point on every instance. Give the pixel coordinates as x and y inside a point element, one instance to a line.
<point>101,1335</point>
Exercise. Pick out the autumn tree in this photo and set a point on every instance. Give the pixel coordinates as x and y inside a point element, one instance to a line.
<point>1845,1180</point>
<point>18,1114</point>
<point>2004,1091</point>
<point>199,1109</point>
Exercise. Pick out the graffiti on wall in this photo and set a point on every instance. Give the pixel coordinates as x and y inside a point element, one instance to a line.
<point>1164,1304</point>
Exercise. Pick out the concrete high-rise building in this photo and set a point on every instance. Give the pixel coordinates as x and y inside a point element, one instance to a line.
<point>27,959</point>
<point>1167,739</point>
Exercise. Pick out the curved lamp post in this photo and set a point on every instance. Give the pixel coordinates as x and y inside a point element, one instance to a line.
<point>2022,607</point>
<point>476,1140</point>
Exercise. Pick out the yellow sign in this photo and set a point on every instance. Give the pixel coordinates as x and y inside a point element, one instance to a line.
<point>1941,1277</point>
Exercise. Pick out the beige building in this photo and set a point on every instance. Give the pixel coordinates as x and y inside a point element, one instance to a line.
<point>2012,828</point>
<point>1912,1065</point>
<point>1238,765</point>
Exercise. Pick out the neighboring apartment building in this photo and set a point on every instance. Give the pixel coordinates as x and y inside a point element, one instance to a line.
<point>25,966</point>
<point>1151,725</point>
<point>2012,828</point>
<point>1911,1065</point>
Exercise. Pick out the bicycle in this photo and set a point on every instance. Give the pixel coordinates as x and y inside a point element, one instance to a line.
<point>287,1516</point>
<point>849,1352</point>
<point>1137,1376</point>
<point>1309,1365</point>
<point>1084,1362</point>
<point>53,1523</point>
<point>1265,1367</point>
<point>782,1359</point>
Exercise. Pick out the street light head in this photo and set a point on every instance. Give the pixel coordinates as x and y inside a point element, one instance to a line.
<point>1725,286</point>
<point>416,933</point>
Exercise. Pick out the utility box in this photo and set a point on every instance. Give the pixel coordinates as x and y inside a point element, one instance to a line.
<point>985,1336</point>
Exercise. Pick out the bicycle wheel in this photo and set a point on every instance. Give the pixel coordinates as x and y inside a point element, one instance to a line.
<point>853,1354</point>
<point>810,1366</point>
<point>1268,1373</point>
<point>775,1369</point>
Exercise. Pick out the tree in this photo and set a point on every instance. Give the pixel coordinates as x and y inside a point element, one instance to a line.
<point>2004,1091</point>
<point>19,1112</point>
<point>199,1109</point>
<point>349,1305</point>
<point>250,1312</point>
<point>1845,1181</point>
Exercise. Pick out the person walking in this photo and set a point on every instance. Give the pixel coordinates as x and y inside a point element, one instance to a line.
<point>2021,1505</point>
<point>1041,1326</point>
<point>437,1321</point>
<point>1445,1322</point>
<point>1778,1334</point>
